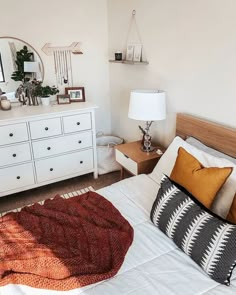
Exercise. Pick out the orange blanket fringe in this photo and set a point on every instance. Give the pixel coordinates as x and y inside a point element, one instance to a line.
<point>63,244</point>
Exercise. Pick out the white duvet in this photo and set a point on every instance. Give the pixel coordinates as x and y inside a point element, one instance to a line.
<point>153,265</point>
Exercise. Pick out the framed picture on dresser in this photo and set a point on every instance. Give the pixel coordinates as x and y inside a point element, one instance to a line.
<point>63,98</point>
<point>77,94</point>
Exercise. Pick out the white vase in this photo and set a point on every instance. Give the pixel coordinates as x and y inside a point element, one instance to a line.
<point>45,101</point>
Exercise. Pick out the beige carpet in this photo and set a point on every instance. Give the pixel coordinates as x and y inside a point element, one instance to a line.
<point>24,198</point>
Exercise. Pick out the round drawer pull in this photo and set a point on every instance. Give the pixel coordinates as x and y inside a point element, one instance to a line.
<point>14,155</point>
<point>78,123</point>
<point>79,141</point>
<point>51,169</point>
<point>46,128</point>
<point>48,148</point>
<point>81,162</point>
<point>11,134</point>
<point>18,177</point>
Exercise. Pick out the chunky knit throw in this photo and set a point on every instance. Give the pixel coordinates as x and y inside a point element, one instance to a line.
<point>63,244</point>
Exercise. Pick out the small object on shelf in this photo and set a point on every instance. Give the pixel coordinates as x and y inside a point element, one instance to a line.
<point>159,152</point>
<point>130,52</point>
<point>77,94</point>
<point>45,100</point>
<point>137,52</point>
<point>63,98</point>
<point>21,94</point>
<point>5,103</point>
<point>134,52</point>
<point>118,55</point>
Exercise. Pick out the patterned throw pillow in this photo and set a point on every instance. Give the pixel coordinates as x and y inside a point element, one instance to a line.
<point>208,239</point>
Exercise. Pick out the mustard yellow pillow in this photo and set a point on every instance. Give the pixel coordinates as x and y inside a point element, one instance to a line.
<point>203,183</point>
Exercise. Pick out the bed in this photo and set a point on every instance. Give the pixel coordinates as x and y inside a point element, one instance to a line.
<point>154,264</point>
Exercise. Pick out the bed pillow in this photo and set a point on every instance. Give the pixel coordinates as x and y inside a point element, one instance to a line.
<point>203,183</point>
<point>201,146</point>
<point>166,163</point>
<point>209,240</point>
<point>216,206</point>
<point>232,212</point>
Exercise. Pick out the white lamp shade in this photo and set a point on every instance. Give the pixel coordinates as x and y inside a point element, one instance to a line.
<point>147,105</point>
<point>31,67</point>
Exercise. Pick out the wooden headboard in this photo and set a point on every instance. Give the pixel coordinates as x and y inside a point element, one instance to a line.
<point>212,134</point>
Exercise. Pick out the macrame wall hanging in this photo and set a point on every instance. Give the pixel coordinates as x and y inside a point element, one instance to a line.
<point>62,61</point>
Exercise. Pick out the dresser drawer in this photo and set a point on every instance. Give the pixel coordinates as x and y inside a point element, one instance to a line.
<point>76,123</point>
<point>126,162</point>
<point>45,128</point>
<point>16,177</point>
<point>15,154</point>
<point>13,133</point>
<point>59,145</point>
<point>64,165</point>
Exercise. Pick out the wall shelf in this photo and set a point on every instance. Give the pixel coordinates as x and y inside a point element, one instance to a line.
<point>134,49</point>
<point>128,62</point>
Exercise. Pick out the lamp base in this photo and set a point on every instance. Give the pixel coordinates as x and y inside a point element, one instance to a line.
<point>147,150</point>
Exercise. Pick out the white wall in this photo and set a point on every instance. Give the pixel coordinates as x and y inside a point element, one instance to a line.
<point>61,23</point>
<point>191,47</point>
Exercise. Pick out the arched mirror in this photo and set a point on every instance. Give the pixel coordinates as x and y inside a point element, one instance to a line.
<point>18,61</point>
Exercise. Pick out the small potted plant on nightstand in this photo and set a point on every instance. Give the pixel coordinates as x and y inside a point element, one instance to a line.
<point>44,92</point>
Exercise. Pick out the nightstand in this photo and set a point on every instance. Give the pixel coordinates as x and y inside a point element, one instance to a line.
<point>134,160</point>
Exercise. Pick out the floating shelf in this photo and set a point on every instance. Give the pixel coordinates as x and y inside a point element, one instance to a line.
<point>129,62</point>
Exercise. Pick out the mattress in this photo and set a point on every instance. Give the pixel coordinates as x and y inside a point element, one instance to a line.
<point>153,264</point>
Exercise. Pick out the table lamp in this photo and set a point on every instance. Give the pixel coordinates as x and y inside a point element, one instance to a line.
<point>149,106</point>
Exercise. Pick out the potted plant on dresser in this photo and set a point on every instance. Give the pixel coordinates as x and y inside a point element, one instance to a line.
<point>44,92</point>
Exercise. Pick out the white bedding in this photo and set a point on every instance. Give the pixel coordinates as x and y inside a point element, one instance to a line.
<point>153,265</point>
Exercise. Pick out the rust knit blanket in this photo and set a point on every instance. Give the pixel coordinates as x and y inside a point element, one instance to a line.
<point>63,244</point>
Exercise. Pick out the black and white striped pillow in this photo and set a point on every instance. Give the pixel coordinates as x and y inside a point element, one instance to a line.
<point>208,239</point>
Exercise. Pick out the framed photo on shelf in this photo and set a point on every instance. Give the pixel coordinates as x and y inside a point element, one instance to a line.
<point>130,52</point>
<point>76,94</point>
<point>63,98</point>
<point>137,52</point>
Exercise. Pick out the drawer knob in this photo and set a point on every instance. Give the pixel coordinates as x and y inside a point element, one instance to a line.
<point>78,123</point>
<point>48,148</point>
<point>14,155</point>
<point>18,177</point>
<point>46,128</point>
<point>51,169</point>
<point>81,162</point>
<point>11,134</point>
<point>79,141</point>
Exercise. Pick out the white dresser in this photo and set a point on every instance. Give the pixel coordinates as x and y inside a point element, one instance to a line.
<point>40,145</point>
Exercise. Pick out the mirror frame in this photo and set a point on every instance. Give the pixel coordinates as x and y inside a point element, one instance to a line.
<point>29,45</point>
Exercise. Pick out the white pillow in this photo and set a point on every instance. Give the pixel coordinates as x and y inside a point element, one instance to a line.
<point>224,197</point>
<point>201,146</point>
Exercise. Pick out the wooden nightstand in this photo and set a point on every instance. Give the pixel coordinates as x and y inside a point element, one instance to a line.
<point>134,160</point>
